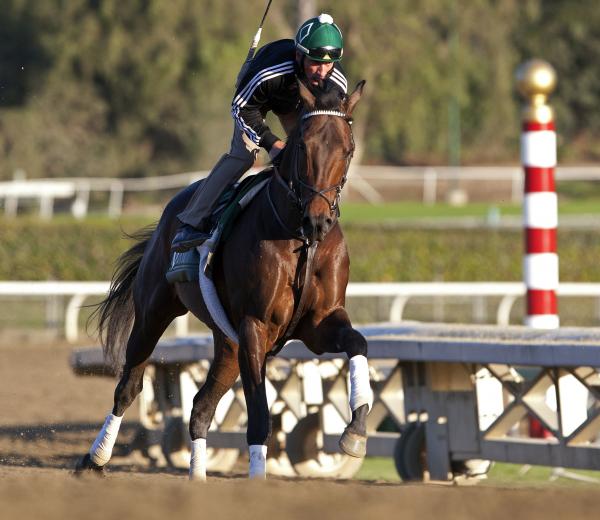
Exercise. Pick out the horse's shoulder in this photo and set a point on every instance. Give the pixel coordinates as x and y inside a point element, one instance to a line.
<point>334,248</point>
<point>337,235</point>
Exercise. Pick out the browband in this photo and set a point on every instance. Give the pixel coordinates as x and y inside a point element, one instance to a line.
<point>324,113</point>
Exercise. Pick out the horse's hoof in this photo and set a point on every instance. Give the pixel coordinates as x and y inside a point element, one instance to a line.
<point>86,466</point>
<point>353,444</point>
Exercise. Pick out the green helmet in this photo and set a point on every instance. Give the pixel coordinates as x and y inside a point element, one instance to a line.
<point>320,39</point>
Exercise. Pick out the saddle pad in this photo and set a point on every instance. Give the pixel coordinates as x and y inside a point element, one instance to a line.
<point>184,266</point>
<point>230,213</point>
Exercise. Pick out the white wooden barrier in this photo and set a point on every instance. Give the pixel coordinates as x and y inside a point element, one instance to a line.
<point>43,190</point>
<point>367,180</point>
<point>77,291</point>
<point>508,291</point>
<point>401,293</point>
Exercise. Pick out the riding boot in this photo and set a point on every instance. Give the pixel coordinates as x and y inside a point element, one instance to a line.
<point>195,218</point>
<point>188,237</point>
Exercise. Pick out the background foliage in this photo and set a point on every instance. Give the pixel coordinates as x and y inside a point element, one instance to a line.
<point>136,88</point>
<point>64,249</point>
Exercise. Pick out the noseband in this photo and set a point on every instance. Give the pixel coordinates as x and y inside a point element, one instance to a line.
<point>295,185</point>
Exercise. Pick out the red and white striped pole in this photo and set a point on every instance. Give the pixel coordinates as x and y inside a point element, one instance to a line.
<point>536,79</point>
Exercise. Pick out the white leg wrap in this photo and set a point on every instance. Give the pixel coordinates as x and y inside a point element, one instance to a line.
<point>360,386</point>
<point>101,450</point>
<point>198,461</point>
<point>258,461</point>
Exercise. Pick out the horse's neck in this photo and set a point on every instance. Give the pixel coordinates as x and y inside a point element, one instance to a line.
<point>290,150</point>
<point>280,190</point>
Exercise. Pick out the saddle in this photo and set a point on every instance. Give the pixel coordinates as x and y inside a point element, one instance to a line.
<point>184,266</point>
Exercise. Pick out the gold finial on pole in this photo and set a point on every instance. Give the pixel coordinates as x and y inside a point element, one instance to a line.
<point>536,80</point>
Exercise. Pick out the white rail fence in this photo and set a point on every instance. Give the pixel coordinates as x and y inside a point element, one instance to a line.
<point>400,294</point>
<point>371,182</point>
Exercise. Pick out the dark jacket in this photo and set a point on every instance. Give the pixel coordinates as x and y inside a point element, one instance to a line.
<point>270,84</point>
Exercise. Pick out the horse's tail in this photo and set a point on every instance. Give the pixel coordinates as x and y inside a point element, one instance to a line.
<point>116,312</point>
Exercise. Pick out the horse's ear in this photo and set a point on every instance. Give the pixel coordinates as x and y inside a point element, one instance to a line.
<point>307,96</point>
<point>354,97</point>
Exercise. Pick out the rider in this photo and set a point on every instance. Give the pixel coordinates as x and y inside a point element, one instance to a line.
<point>268,84</point>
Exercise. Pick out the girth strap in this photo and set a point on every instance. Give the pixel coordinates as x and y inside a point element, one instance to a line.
<point>310,255</point>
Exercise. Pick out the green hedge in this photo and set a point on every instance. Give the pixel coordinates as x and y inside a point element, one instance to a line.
<point>31,249</point>
<point>462,254</point>
<point>87,250</point>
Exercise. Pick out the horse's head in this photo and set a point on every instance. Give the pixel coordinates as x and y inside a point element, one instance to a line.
<point>323,147</point>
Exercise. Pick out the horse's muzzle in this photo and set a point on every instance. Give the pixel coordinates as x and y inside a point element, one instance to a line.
<point>315,227</point>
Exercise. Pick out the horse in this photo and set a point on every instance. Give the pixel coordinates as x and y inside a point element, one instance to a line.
<point>281,274</point>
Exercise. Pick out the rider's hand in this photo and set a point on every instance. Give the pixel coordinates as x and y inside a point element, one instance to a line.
<point>276,149</point>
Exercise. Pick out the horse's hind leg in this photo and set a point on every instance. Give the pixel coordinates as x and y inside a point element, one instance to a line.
<point>148,327</point>
<point>223,372</point>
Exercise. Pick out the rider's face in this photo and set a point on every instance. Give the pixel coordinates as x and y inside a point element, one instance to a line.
<point>316,70</point>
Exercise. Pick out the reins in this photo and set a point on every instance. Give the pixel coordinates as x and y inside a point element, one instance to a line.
<point>308,247</point>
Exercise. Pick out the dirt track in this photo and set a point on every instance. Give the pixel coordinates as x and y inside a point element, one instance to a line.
<point>48,417</point>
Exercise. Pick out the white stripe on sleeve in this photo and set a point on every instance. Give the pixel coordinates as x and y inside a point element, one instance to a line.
<point>246,94</point>
<point>339,78</point>
<point>263,75</point>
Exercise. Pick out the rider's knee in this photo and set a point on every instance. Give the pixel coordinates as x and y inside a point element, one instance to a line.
<point>245,154</point>
<point>244,157</point>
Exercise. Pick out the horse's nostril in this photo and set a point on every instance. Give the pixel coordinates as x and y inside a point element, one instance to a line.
<point>329,221</point>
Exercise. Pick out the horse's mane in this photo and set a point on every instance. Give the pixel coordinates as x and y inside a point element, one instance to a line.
<point>328,95</point>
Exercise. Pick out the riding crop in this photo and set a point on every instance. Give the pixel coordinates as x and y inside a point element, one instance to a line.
<point>253,46</point>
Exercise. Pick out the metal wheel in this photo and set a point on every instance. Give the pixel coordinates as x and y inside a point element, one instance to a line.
<point>399,450</point>
<point>409,453</point>
<point>176,449</point>
<point>304,446</point>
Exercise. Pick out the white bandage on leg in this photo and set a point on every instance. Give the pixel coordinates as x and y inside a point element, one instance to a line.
<point>360,387</point>
<point>101,450</point>
<point>198,460</point>
<point>258,461</point>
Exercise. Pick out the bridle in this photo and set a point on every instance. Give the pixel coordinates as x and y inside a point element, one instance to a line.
<point>295,186</point>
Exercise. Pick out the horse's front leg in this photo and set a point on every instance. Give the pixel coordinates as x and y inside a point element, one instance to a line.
<point>252,353</point>
<point>220,378</point>
<point>335,334</point>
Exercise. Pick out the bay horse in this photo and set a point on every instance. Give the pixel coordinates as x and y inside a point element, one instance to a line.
<point>281,274</point>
